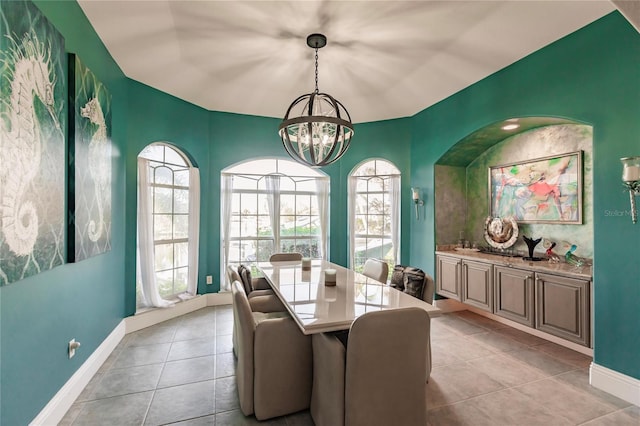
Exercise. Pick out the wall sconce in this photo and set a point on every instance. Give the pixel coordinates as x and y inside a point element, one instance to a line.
<point>631,179</point>
<point>415,195</point>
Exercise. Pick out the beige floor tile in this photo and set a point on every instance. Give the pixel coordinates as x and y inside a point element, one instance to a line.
<point>541,361</point>
<point>480,321</point>
<point>565,354</point>
<point>497,342</point>
<point>454,383</point>
<point>463,413</point>
<point>506,370</point>
<point>625,417</point>
<point>508,407</point>
<point>580,380</point>
<point>565,400</point>
<point>521,337</point>
<point>460,348</point>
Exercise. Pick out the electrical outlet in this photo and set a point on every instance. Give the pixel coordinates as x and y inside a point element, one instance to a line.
<point>73,345</point>
<point>209,279</point>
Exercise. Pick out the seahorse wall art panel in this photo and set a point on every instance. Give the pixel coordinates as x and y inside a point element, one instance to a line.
<point>90,160</point>
<point>33,107</point>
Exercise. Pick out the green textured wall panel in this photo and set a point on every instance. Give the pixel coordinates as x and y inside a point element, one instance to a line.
<point>530,145</point>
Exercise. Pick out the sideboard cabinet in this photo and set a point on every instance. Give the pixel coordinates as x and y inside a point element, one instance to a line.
<point>554,298</point>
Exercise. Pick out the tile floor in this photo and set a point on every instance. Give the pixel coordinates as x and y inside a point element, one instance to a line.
<point>484,373</point>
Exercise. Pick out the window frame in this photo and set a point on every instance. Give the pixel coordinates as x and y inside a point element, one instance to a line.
<point>176,288</point>
<point>279,169</point>
<point>382,193</point>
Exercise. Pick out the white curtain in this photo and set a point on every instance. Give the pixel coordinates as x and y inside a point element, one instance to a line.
<point>146,249</point>
<point>225,221</point>
<point>352,185</point>
<point>273,204</point>
<point>394,201</point>
<point>322,186</point>
<point>194,229</point>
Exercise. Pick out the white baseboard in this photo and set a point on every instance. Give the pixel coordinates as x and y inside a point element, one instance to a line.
<point>617,384</point>
<point>58,406</point>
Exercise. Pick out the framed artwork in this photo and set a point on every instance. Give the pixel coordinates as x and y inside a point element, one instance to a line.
<point>90,160</point>
<point>544,190</point>
<point>33,108</point>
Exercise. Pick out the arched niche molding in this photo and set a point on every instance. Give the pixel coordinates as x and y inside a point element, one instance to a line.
<point>462,185</point>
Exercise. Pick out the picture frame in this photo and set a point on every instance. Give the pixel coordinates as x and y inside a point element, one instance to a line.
<point>541,190</point>
<point>33,111</point>
<point>89,164</point>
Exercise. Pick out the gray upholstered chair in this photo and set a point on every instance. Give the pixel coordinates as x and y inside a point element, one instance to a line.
<point>376,269</point>
<point>282,257</point>
<point>378,378</point>
<point>429,289</point>
<point>274,368</point>
<point>259,300</point>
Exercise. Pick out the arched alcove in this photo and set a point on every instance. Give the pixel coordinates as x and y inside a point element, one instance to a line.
<point>462,179</point>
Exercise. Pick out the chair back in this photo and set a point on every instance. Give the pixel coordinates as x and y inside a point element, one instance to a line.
<point>244,328</point>
<point>429,289</point>
<point>376,269</point>
<point>283,257</point>
<point>232,274</point>
<point>386,366</point>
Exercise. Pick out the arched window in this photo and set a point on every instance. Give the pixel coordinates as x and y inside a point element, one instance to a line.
<point>273,205</point>
<point>168,226</point>
<point>374,213</point>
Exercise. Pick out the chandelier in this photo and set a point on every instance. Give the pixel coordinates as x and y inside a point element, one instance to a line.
<point>317,129</point>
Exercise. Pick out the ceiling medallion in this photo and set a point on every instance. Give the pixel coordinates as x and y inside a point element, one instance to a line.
<point>317,129</point>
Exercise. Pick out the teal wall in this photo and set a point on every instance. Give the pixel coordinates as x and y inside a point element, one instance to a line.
<point>39,315</point>
<point>158,117</point>
<point>574,77</point>
<point>590,76</point>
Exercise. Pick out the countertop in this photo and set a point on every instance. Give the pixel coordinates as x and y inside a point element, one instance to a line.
<point>561,268</point>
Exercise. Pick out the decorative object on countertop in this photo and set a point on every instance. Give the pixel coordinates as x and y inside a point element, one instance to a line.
<point>329,277</point>
<point>415,196</point>
<point>321,131</point>
<point>631,179</point>
<point>306,263</point>
<point>571,258</point>
<point>531,244</point>
<point>542,190</point>
<point>551,255</point>
<point>501,232</point>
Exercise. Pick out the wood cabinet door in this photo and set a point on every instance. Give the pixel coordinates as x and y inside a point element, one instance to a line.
<point>563,307</point>
<point>477,284</point>
<point>448,277</point>
<point>513,294</point>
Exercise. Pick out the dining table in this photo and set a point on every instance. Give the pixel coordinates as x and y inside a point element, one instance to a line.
<point>318,306</point>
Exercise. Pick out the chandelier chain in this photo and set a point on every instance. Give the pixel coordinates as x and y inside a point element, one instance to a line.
<point>316,70</point>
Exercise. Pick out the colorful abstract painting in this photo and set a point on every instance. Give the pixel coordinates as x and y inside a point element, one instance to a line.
<point>90,162</point>
<point>33,94</point>
<point>542,190</point>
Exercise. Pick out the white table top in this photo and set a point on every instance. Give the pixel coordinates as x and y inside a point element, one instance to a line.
<point>318,308</point>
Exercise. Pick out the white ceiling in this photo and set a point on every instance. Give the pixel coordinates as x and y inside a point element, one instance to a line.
<point>384,59</point>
